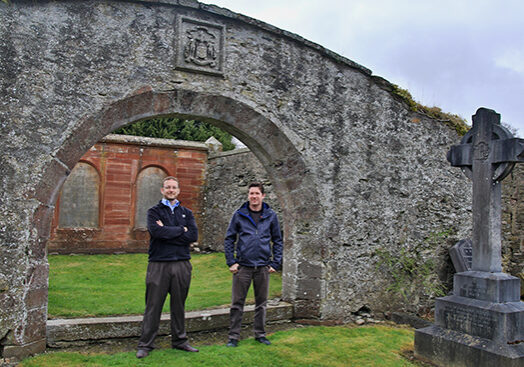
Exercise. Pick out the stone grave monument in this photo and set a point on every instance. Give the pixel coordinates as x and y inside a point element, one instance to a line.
<point>462,255</point>
<point>481,323</point>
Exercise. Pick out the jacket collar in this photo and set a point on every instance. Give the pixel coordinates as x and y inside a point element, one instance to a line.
<point>244,209</point>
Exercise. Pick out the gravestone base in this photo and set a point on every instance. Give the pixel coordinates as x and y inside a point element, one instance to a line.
<point>498,322</point>
<point>493,287</point>
<point>481,324</point>
<point>445,347</point>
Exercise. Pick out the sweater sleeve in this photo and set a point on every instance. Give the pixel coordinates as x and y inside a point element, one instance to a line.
<point>161,232</point>
<point>229,241</point>
<point>276,238</point>
<point>192,231</point>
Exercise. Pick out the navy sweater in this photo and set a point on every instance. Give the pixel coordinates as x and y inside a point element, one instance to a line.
<point>170,242</point>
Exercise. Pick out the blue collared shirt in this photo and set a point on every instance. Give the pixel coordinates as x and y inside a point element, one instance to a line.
<point>171,206</point>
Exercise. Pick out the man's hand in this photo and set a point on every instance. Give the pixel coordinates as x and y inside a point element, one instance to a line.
<point>271,270</point>
<point>234,268</point>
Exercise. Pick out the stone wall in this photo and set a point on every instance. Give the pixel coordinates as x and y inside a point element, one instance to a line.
<point>356,172</point>
<point>228,177</point>
<point>129,172</point>
<point>513,224</point>
<point>229,173</point>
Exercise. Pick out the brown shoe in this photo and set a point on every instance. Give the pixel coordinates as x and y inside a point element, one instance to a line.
<point>186,348</point>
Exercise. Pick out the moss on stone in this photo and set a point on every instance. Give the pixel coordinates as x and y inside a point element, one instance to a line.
<point>454,121</point>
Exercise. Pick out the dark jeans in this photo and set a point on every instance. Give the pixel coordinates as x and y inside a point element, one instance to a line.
<point>171,277</point>
<point>241,283</point>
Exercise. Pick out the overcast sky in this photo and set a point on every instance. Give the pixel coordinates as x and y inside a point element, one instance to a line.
<point>458,55</point>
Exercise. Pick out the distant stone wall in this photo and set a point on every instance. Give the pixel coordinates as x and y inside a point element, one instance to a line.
<point>513,224</point>
<point>228,177</point>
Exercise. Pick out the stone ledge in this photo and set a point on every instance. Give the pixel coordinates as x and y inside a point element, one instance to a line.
<point>155,142</point>
<point>68,330</point>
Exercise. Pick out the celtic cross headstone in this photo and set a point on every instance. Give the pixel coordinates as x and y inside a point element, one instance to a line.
<point>487,154</point>
<point>482,322</point>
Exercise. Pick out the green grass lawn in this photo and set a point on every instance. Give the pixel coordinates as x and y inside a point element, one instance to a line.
<point>338,346</point>
<point>104,285</point>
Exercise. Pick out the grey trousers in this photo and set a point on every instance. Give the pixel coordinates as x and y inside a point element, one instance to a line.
<point>241,282</point>
<point>171,277</point>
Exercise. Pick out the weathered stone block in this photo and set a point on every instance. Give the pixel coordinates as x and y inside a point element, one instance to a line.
<point>46,190</point>
<point>445,347</point>
<point>493,287</point>
<point>37,275</point>
<point>309,270</point>
<point>34,329</point>
<point>306,309</point>
<point>500,322</point>
<point>19,352</point>
<point>309,288</point>
<point>36,299</point>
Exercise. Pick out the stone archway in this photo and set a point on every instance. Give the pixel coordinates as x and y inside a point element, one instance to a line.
<point>279,156</point>
<point>355,169</point>
<point>281,159</point>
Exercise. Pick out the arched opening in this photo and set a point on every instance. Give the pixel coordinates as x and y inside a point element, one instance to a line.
<point>80,200</point>
<point>147,183</point>
<point>279,157</point>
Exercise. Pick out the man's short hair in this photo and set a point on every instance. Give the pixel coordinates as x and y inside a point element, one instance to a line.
<point>170,178</point>
<point>257,184</point>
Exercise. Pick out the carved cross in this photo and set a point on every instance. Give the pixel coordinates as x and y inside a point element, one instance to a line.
<point>487,154</point>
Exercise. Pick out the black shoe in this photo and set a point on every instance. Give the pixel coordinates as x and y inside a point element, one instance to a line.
<point>232,343</point>
<point>142,353</point>
<point>186,348</point>
<point>263,340</point>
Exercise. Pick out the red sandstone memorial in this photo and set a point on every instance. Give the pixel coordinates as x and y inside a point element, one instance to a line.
<point>103,204</point>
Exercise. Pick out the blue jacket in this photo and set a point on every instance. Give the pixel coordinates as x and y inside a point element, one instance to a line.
<point>252,242</point>
<point>170,242</point>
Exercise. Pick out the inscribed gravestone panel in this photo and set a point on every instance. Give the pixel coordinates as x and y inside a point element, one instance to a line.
<point>461,255</point>
<point>79,199</point>
<point>148,186</point>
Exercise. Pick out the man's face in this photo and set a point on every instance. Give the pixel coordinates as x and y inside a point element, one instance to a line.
<point>255,197</point>
<point>170,190</point>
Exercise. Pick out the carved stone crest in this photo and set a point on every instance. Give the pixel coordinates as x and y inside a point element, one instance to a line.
<point>200,46</point>
<point>481,151</point>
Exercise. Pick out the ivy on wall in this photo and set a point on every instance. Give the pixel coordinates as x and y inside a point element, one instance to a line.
<point>413,272</point>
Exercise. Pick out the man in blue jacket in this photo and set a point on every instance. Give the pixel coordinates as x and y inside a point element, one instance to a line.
<point>251,258</point>
<point>172,229</point>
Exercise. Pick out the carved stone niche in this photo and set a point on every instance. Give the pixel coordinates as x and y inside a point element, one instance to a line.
<point>200,46</point>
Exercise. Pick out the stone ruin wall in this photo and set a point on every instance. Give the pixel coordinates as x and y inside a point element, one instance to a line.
<point>229,174</point>
<point>513,224</point>
<point>356,170</point>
